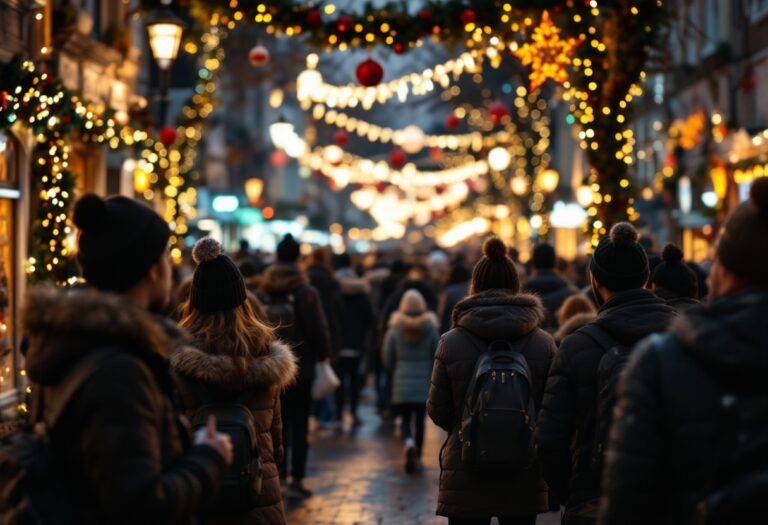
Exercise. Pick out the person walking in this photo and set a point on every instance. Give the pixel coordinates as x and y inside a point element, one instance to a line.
<point>125,455</point>
<point>689,441</point>
<point>577,311</point>
<point>321,278</point>
<point>494,311</point>
<point>294,307</point>
<point>456,289</point>
<point>408,352</point>
<point>547,284</point>
<point>569,433</point>
<point>674,281</point>
<point>358,321</point>
<point>236,360</point>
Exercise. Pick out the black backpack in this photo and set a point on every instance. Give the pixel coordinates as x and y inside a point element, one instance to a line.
<point>240,488</point>
<point>498,418</point>
<point>281,312</point>
<point>32,485</point>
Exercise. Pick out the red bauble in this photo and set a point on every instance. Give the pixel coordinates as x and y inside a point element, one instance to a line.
<point>341,138</point>
<point>671,160</point>
<point>425,15</point>
<point>397,159</point>
<point>4,99</point>
<point>344,23</point>
<point>381,187</point>
<point>468,16</point>
<point>258,56</point>
<point>278,159</point>
<point>439,189</point>
<point>314,19</point>
<point>498,111</point>
<point>398,48</point>
<point>369,73</point>
<point>436,154</point>
<point>168,136</point>
<point>452,122</point>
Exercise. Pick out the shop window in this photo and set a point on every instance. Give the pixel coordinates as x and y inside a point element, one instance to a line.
<point>8,196</point>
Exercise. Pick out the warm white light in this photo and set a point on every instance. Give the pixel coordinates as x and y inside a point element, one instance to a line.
<point>519,186</point>
<point>295,147</point>
<point>548,180</point>
<point>308,82</point>
<point>333,154</point>
<point>165,32</point>
<point>413,139</point>
<point>499,158</point>
<point>253,190</point>
<point>584,196</point>
<point>567,215</point>
<point>281,132</point>
<point>536,222</point>
<point>363,198</point>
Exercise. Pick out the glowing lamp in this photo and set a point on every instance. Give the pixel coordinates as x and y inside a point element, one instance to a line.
<point>165,30</point>
<point>254,187</point>
<point>548,180</point>
<point>281,132</point>
<point>499,159</point>
<point>584,196</point>
<point>333,155</point>
<point>141,181</point>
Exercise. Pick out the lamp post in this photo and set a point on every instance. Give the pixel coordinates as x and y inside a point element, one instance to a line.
<point>281,131</point>
<point>164,29</point>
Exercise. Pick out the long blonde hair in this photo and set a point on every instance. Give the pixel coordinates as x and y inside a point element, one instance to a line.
<point>237,332</point>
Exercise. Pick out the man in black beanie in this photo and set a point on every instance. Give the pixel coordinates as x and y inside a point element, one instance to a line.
<point>97,359</point>
<point>690,441</point>
<point>571,425</point>
<point>296,309</point>
<point>547,284</point>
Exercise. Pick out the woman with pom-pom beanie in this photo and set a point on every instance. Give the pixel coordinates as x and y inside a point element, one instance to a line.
<point>236,360</point>
<point>568,422</point>
<point>674,281</point>
<point>688,443</point>
<point>495,310</point>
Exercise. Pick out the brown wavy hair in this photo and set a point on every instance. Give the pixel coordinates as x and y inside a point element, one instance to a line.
<point>238,332</point>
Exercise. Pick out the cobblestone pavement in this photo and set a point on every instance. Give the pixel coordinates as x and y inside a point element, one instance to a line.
<point>358,478</point>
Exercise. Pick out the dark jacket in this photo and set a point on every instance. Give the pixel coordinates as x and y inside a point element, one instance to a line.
<point>124,452</point>
<point>224,381</point>
<point>565,433</point>
<point>329,289</point>
<point>573,324</point>
<point>553,290</point>
<point>450,298</point>
<point>679,303</point>
<point>491,316</point>
<point>357,315</point>
<point>668,439</point>
<point>312,339</point>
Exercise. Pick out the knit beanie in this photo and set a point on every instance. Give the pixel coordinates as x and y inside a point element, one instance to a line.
<point>543,257</point>
<point>412,303</point>
<point>120,239</point>
<point>217,284</point>
<point>495,270</point>
<point>619,262</point>
<point>743,244</point>
<point>288,250</point>
<point>674,275</point>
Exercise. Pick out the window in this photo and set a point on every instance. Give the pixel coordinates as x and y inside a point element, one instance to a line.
<point>758,9</point>
<point>8,196</point>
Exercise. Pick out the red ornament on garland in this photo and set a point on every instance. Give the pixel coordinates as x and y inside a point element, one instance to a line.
<point>341,138</point>
<point>397,159</point>
<point>344,23</point>
<point>168,136</point>
<point>436,154</point>
<point>314,19</point>
<point>468,16</point>
<point>4,99</point>
<point>452,122</point>
<point>369,73</point>
<point>381,187</point>
<point>425,15</point>
<point>278,158</point>
<point>439,189</point>
<point>258,56</point>
<point>398,48</point>
<point>498,111</point>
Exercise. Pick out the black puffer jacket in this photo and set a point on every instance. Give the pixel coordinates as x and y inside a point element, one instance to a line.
<point>448,300</point>
<point>328,288</point>
<point>676,301</point>
<point>223,381</point>
<point>667,441</point>
<point>491,316</point>
<point>553,290</point>
<point>567,420</point>
<point>357,317</point>
<point>125,453</point>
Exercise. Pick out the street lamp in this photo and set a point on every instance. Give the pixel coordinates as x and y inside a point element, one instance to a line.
<point>164,29</point>
<point>281,132</point>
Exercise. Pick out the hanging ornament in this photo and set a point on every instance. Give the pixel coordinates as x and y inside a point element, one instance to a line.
<point>369,73</point>
<point>436,154</point>
<point>258,56</point>
<point>397,159</point>
<point>344,23</point>
<point>425,15</point>
<point>452,122</point>
<point>4,99</point>
<point>413,139</point>
<point>168,136</point>
<point>341,138</point>
<point>398,48</point>
<point>314,19</point>
<point>498,111</point>
<point>439,189</point>
<point>381,187</point>
<point>278,159</point>
<point>468,16</point>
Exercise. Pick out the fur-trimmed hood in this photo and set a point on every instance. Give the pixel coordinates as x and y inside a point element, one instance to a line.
<point>276,367</point>
<point>497,314</point>
<point>282,279</point>
<point>573,324</point>
<point>414,327</point>
<point>65,324</point>
<point>351,283</point>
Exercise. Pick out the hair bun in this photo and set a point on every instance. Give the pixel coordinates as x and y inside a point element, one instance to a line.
<point>495,249</point>
<point>672,254</point>
<point>206,249</point>
<point>90,211</point>
<point>759,193</point>
<point>624,235</point>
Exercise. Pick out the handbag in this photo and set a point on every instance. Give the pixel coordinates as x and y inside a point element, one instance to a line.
<point>326,381</point>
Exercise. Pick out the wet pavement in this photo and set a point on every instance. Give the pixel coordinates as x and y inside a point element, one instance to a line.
<point>357,477</point>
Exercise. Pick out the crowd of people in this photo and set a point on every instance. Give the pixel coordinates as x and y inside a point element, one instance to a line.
<point>624,388</point>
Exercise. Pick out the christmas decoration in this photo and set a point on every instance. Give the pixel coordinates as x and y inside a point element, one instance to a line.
<point>452,122</point>
<point>397,159</point>
<point>278,159</point>
<point>468,16</point>
<point>341,138</point>
<point>413,139</point>
<point>398,48</point>
<point>498,111</point>
<point>344,23</point>
<point>168,136</point>
<point>314,19</point>
<point>258,56</point>
<point>369,73</point>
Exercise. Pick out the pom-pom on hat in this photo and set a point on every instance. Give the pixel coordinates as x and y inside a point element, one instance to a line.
<point>743,244</point>
<point>495,270</point>
<point>288,250</point>
<point>619,262</point>
<point>674,275</point>
<point>120,239</point>
<point>217,284</point>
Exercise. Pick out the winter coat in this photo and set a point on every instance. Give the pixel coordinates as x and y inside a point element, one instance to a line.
<point>312,341</point>
<point>329,289</point>
<point>451,297</point>
<point>681,304</point>
<point>566,428</point>
<point>666,443</point>
<point>393,302</point>
<point>357,317</point>
<point>223,381</point>
<point>571,325</point>
<point>490,316</point>
<point>553,290</point>
<point>124,452</point>
<point>409,350</point>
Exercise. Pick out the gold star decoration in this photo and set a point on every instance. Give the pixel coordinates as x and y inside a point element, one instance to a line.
<point>547,54</point>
